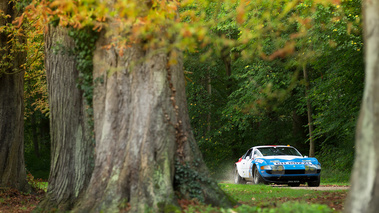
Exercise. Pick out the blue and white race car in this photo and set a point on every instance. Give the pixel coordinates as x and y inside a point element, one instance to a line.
<point>277,164</point>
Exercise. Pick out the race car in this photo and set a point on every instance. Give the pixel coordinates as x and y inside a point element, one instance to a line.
<point>278,164</point>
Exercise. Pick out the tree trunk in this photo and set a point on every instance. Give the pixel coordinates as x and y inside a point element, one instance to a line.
<point>309,111</point>
<point>71,144</point>
<point>364,192</point>
<point>12,165</point>
<point>227,59</point>
<point>142,126</point>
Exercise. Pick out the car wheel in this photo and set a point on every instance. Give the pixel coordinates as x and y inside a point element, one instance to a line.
<point>294,184</point>
<point>237,178</point>
<point>314,183</point>
<point>257,177</point>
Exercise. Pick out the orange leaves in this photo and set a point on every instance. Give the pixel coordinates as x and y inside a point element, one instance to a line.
<point>288,49</point>
<point>18,20</point>
<point>15,201</point>
<point>336,1</point>
<point>186,31</point>
<point>305,22</point>
<point>241,13</point>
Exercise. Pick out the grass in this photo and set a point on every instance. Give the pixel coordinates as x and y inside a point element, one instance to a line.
<point>260,193</point>
<point>273,199</point>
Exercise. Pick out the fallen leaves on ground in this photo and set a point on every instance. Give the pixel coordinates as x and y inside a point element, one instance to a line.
<point>11,200</point>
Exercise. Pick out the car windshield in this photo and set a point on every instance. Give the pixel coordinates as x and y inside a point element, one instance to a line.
<point>272,151</point>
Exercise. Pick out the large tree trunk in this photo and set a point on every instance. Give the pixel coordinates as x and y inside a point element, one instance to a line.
<point>12,165</point>
<point>364,192</point>
<point>71,148</point>
<point>142,127</point>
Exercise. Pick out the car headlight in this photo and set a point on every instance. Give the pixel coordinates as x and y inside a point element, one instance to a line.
<point>275,169</point>
<point>278,170</point>
<point>267,167</point>
<point>311,169</point>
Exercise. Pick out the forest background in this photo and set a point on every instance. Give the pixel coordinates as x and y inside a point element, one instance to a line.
<point>238,97</point>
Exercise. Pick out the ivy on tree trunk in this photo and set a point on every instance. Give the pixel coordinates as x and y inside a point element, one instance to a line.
<point>71,143</point>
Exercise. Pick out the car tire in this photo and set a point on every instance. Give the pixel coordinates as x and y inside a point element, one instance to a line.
<point>257,179</point>
<point>314,183</point>
<point>237,178</point>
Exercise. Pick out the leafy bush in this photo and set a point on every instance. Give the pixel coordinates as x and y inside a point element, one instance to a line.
<point>336,163</point>
<point>36,183</point>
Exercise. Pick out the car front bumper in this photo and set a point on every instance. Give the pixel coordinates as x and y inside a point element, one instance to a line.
<point>290,177</point>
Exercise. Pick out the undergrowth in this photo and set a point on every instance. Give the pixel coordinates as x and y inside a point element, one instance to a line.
<point>336,164</point>
<point>36,183</point>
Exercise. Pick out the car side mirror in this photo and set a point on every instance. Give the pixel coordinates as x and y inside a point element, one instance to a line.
<point>247,158</point>
<point>305,156</point>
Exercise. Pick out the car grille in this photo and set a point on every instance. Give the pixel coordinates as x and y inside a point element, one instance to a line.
<point>293,171</point>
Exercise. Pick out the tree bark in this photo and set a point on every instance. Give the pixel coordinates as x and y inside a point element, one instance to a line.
<point>227,59</point>
<point>142,126</point>
<point>309,112</point>
<point>71,143</point>
<point>364,191</point>
<point>12,165</point>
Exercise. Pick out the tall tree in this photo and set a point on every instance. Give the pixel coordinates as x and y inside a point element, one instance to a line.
<point>142,127</point>
<point>71,143</point>
<point>309,113</point>
<point>12,165</point>
<point>364,192</point>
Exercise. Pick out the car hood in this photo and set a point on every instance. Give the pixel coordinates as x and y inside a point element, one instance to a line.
<point>286,159</point>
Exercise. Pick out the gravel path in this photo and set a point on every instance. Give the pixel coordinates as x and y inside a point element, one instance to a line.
<point>320,188</point>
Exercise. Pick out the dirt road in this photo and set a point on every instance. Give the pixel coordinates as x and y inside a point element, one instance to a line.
<point>320,188</point>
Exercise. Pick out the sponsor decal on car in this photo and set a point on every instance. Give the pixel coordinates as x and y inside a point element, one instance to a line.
<point>291,163</point>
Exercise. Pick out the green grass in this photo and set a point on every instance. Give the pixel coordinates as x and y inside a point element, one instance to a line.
<point>260,193</point>
<point>335,183</point>
<point>275,199</point>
